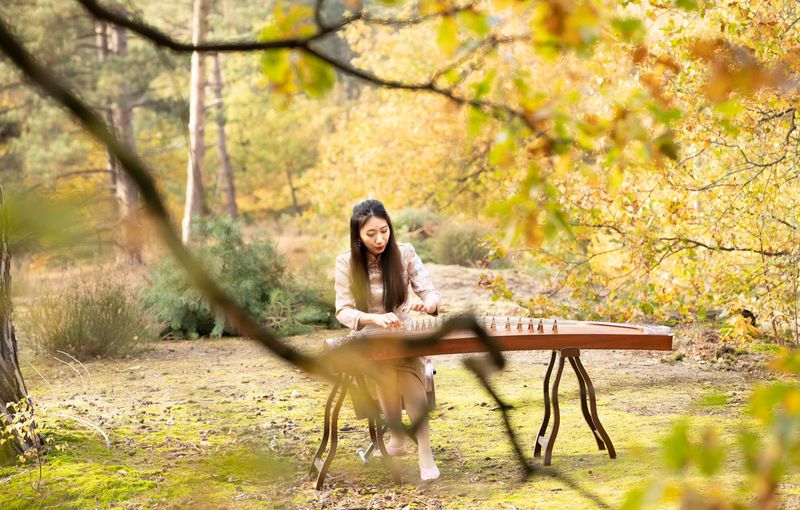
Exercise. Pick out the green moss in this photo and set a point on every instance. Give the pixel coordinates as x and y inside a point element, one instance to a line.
<point>220,424</point>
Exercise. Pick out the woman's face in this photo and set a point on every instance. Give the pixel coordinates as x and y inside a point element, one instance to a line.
<point>375,235</point>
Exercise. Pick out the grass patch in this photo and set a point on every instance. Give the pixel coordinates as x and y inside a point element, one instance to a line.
<point>220,424</point>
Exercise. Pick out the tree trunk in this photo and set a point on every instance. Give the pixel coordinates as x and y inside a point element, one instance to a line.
<point>197,149</point>
<point>12,386</point>
<point>225,170</point>
<point>293,192</point>
<point>113,43</point>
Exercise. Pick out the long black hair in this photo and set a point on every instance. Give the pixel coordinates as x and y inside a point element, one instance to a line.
<point>394,287</point>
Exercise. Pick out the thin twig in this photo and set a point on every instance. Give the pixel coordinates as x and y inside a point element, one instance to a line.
<point>91,384</point>
<point>83,382</point>
<point>88,424</point>
<point>40,375</point>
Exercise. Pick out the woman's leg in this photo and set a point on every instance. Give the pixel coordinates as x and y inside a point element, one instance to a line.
<point>389,397</point>
<point>416,401</point>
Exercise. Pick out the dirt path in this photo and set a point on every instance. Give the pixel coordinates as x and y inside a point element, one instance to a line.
<point>460,292</point>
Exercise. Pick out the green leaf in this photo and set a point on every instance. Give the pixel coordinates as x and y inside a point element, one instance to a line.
<point>452,76</point>
<point>484,86</point>
<point>275,66</point>
<point>316,77</point>
<point>765,399</point>
<point>729,127</point>
<point>709,454</point>
<point>751,447</point>
<point>664,116</point>
<point>634,499</point>
<point>289,21</point>
<point>665,144</point>
<point>689,5</point>
<point>447,35</point>
<point>676,447</point>
<point>728,109</point>
<point>631,29</point>
<point>476,22</point>
<point>476,120</point>
<point>788,361</point>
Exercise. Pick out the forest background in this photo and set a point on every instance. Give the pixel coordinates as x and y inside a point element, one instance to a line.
<point>638,160</point>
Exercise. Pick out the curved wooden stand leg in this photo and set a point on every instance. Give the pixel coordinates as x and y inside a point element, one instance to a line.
<point>537,449</point>
<point>593,406</point>
<point>334,433</point>
<point>548,452</point>
<point>316,462</point>
<point>584,405</point>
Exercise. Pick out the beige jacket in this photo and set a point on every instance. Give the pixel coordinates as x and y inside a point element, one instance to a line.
<point>414,274</point>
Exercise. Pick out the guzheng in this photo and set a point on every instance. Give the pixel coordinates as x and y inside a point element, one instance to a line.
<point>510,334</point>
<point>564,338</point>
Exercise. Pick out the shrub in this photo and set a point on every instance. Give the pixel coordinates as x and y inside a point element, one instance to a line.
<point>461,244</point>
<point>420,223</point>
<point>417,226</point>
<point>98,318</point>
<point>253,273</point>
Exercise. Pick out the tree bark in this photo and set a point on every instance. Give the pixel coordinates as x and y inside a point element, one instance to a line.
<point>112,42</point>
<point>293,191</point>
<point>12,386</point>
<point>225,169</point>
<point>197,149</point>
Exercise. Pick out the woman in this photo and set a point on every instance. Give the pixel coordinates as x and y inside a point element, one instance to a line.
<point>372,292</point>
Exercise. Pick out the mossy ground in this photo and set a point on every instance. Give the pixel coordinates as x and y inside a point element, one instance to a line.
<point>222,424</point>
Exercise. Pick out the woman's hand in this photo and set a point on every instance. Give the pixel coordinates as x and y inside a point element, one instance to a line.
<point>428,306</point>
<point>385,320</point>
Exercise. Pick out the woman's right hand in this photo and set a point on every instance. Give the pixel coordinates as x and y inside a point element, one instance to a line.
<point>385,320</point>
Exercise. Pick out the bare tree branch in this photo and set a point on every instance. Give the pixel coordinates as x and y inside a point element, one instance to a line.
<point>75,173</point>
<point>692,242</point>
<point>416,20</point>
<point>306,45</point>
<point>161,39</point>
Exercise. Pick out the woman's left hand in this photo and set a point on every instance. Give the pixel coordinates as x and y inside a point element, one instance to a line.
<point>428,307</point>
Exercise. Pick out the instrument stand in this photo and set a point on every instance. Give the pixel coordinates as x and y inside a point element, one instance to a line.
<point>321,462</point>
<point>377,427</point>
<point>589,411</point>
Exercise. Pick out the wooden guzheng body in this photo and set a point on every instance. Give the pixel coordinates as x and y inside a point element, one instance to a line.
<point>563,337</point>
<point>512,334</point>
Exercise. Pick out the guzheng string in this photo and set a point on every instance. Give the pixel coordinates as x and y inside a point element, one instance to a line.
<point>491,323</point>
